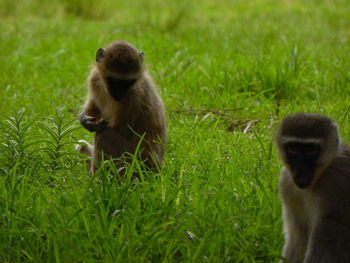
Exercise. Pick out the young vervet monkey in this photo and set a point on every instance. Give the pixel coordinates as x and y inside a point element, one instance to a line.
<point>123,104</point>
<point>315,190</point>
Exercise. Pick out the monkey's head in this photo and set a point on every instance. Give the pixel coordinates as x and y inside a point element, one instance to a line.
<point>307,143</point>
<point>120,65</point>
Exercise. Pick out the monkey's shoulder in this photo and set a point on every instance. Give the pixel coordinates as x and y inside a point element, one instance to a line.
<point>340,166</point>
<point>334,184</point>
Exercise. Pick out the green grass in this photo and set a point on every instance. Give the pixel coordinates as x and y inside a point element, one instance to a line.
<point>227,71</point>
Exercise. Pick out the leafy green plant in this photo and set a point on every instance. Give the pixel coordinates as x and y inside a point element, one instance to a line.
<point>56,135</point>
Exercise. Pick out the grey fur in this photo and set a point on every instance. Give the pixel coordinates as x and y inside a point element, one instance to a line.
<point>317,218</point>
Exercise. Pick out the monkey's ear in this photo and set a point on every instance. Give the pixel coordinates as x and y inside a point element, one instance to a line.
<point>100,54</point>
<point>141,56</point>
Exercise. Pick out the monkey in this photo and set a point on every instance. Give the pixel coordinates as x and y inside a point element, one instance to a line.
<point>123,108</point>
<point>314,188</point>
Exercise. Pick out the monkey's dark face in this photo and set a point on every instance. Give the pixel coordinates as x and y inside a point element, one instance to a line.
<point>120,65</point>
<point>302,159</point>
<point>118,88</point>
<point>120,58</point>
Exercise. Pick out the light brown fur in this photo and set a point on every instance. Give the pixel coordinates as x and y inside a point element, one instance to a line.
<point>140,112</point>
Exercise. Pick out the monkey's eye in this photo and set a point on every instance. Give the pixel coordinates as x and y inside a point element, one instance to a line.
<point>311,149</point>
<point>292,148</point>
<point>129,81</point>
<point>119,83</point>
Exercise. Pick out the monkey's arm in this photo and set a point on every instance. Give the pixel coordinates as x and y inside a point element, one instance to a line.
<point>329,242</point>
<point>294,227</point>
<point>296,238</point>
<point>89,118</point>
<point>294,249</point>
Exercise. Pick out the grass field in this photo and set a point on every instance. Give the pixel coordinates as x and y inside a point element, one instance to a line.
<point>227,70</point>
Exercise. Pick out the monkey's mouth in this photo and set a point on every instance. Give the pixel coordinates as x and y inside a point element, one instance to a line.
<point>303,178</point>
<point>118,93</point>
<point>302,181</point>
<point>302,173</point>
<point>118,88</point>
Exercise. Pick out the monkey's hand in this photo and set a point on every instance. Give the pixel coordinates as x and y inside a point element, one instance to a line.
<point>90,123</point>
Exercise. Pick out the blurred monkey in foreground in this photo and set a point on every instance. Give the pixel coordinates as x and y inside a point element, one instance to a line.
<point>314,188</point>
